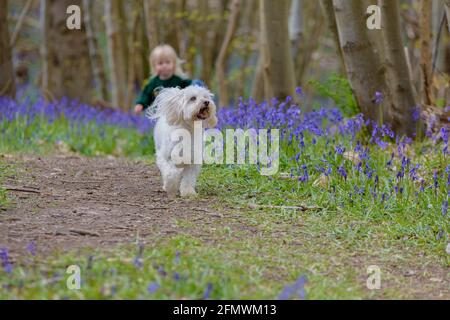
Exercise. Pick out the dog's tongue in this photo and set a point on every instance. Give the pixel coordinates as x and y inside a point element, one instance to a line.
<point>202,114</point>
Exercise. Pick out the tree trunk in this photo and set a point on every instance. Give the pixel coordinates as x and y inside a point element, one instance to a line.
<point>402,100</point>
<point>65,54</point>
<point>310,44</point>
<point>20,22</point>
<point>447,13</point>
<point>362,64</point>
<point>94,54</point>
<point>278,66</point>
<point>117,60</point>
<point>248,20</point>
<point>328,11</point>
<point>133,50</point>
<point>221,62</point>
<point>7,83</point>
<point>296,25</point>
<point>425,52</point>
<point>151,22</point>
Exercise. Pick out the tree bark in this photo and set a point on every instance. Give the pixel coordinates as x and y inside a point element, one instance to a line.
<point>221,62</point>
<point>7,81</point>
<point>296,26</point>
<point>278,66</point>
<point>328,11</point>
<point>117,59</point>
<point>94,54</point>
<point>20,22</point>
<point>402,100</point>
<point>447,13</point>
<point>362,64</point>
<point>151,22</point>
<point>425,52</point>
<point>66,68</point>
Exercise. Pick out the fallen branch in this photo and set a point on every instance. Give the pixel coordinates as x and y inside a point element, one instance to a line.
<point>84,232</point>
<point>10,188</point>
<point>300,207</point>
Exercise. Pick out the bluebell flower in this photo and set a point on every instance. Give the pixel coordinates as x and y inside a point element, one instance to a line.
<point>153,287</point>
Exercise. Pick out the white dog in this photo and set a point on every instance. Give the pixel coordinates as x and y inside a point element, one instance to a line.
<point>178,109</point>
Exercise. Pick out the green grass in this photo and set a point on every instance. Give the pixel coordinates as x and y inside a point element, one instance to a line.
<point>253,254</point>
<point>43,137</point>
<point>3,199</point>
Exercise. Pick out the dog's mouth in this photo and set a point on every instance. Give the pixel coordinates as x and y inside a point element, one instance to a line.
<point>203,114</point>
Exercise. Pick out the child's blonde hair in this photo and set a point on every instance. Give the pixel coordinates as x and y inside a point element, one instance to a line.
<point>165,50</point>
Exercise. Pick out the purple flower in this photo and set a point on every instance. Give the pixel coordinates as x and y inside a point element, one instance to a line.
<point>340,149</point>
<point>342,172</point>
<point>4,258</point>
<point>378,97</point>
<point>444,208</point>
<point>297,288</point>
<point>207,294</point>
<point>31,248</point>
<point>153,287</point>
<point>137,262</point>
<point>177,257</point>
<point>176,276</point>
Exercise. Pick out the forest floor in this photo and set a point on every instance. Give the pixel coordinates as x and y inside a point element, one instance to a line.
<point>69,203</point>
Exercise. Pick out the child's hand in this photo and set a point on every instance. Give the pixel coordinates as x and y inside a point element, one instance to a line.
<point>138,108</point>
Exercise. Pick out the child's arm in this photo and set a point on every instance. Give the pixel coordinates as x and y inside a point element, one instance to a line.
<point>138,108</point>
<point>144,99</point>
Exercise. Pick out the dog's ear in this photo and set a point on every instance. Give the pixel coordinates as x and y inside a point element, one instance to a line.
<point>212,120</point>
<point>169,103</point>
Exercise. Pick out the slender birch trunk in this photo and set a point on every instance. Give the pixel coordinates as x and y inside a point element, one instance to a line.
<point>221,62</point>
<point>402,100</point>
<point>425,52</point>
<point>278,66</point>
<point>117,60</point>
<point>94,54</point>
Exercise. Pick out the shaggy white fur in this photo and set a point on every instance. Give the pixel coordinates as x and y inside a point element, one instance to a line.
<point>174,109</point>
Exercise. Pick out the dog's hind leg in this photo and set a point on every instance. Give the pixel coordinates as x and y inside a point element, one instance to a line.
<point>189,180</point>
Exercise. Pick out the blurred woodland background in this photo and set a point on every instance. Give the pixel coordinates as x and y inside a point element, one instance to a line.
<point>240,48</point>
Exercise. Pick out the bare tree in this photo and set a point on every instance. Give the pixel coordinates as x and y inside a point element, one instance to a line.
<point>221,62</point>
<point>20,22</point>
<point>66,66</point>
<point>296,25</point>
<point>402,100</point>
<point>363,65</point>
<point>116,53</point>
<point>7,83</point>
<point>328,10</point>
<point>425,52</point>
<point>94,54</point>
<point>151,22</point>
<point>447,13</point>
<point>277,64</point>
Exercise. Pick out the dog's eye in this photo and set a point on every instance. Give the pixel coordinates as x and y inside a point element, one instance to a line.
<point>193,99</point>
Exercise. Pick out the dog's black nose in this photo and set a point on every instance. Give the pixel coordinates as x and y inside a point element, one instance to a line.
<point>206,103</point>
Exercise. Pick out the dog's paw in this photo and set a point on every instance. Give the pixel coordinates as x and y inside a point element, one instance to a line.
<point>188,192</point>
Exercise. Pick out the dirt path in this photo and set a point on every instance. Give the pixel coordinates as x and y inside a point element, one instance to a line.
<point>70,202</point>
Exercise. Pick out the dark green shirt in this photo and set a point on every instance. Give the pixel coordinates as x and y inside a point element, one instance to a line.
<point>152,88</point>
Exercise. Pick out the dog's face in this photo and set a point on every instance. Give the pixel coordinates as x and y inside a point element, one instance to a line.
<point>185,106</point>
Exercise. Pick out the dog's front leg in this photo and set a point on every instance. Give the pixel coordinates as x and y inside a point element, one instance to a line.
<point>170,174</point>
<point>189,180</point>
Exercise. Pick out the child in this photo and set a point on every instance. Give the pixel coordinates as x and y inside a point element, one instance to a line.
<point>166,73</point>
